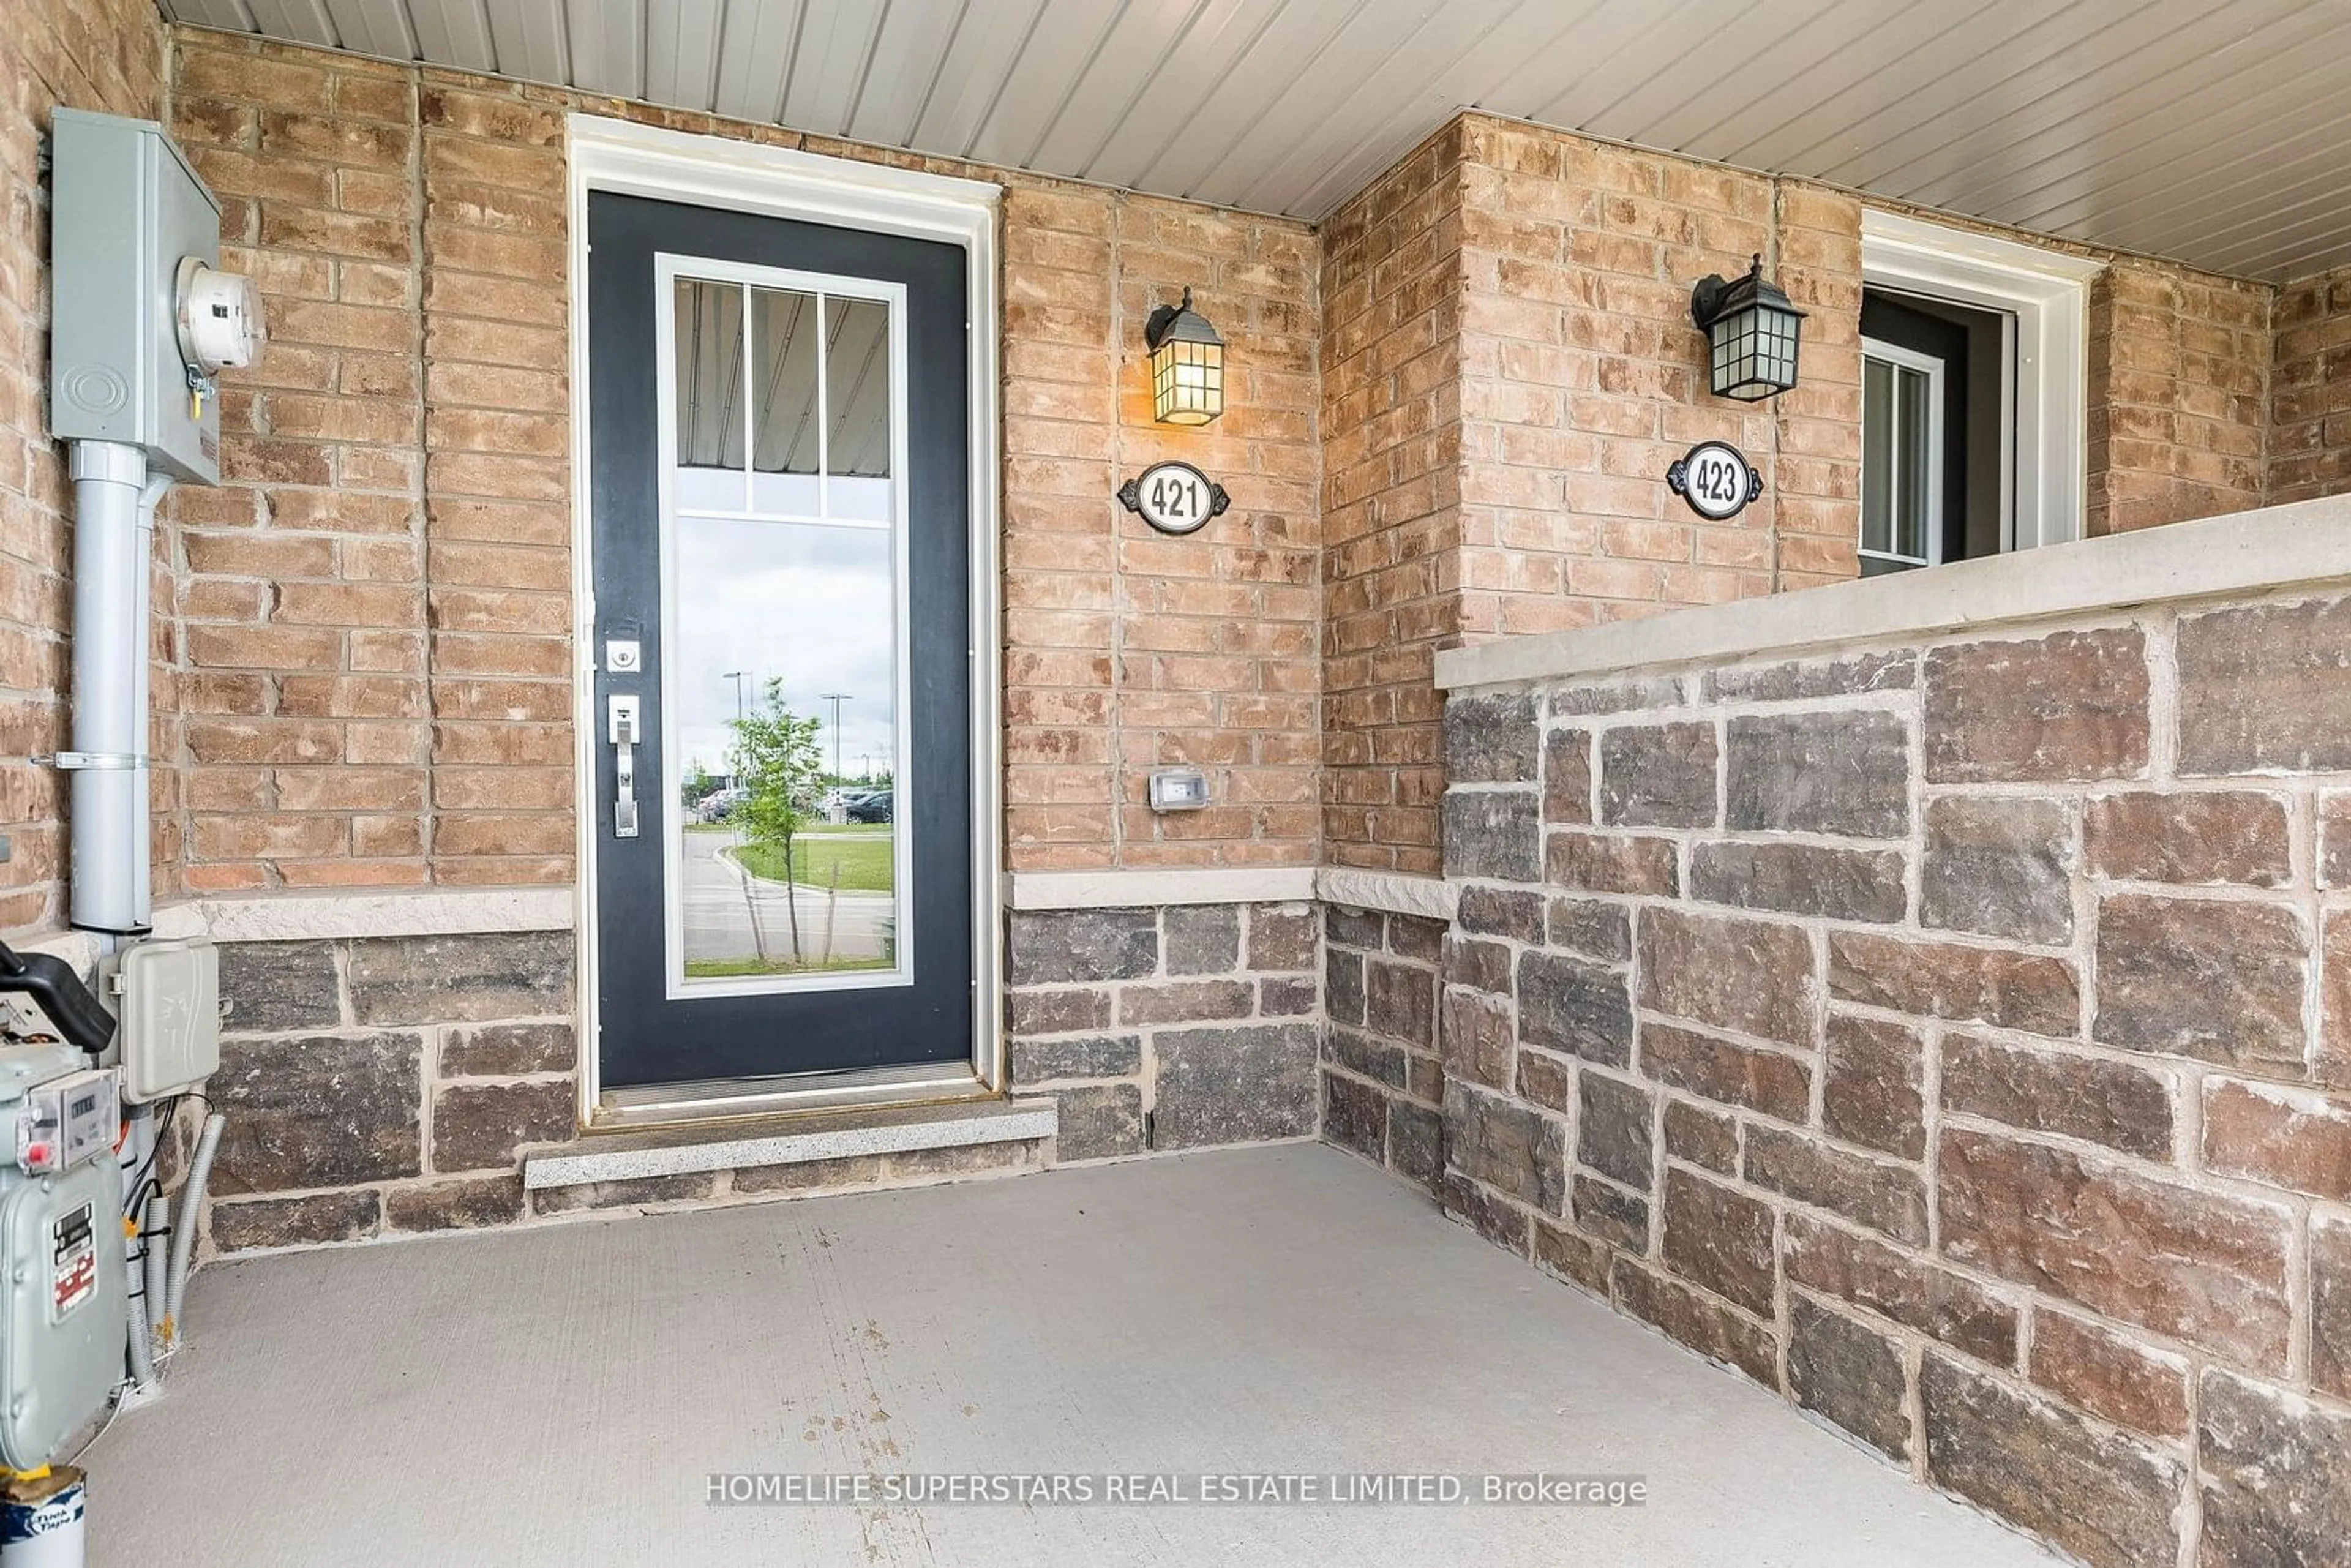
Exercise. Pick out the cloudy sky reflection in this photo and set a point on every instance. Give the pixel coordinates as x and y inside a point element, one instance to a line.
<point>806,602</point>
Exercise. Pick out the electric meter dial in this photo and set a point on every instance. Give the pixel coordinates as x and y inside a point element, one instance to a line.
<point>221,325</point>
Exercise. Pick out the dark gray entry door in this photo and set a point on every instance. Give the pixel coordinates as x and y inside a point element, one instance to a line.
<point>783,780</point>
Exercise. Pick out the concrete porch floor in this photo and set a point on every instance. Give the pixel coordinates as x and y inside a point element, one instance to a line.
<point>560,1396</point>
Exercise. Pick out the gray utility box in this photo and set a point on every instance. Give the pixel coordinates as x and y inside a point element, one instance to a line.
<point>63,1337</point>
<point>167,995</point>
<point>124,210</point>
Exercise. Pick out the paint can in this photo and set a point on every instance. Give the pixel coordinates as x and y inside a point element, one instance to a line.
<point>41,1520</point>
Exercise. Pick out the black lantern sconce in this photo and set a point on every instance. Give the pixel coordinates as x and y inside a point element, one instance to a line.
<point>1752,331</point>
<point>1187,365</point>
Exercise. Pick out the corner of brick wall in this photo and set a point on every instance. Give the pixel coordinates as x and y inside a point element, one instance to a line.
<point>2180,371</point>
<point>1391,427</point>
<point>2310,389</point>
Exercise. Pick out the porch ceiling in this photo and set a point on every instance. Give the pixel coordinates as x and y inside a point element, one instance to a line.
<point>2208,130</point>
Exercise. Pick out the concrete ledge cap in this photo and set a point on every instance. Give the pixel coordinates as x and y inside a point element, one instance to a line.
<point>1391,893</point>
<point>685,1151</point>
<point>329,916</point>
<point>2244,552</point>
<point>1172,885</point>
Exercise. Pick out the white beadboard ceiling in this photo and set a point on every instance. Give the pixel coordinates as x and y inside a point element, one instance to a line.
<point>2208,131</point>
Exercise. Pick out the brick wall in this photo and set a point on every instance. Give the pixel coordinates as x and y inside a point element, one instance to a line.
<point>1391,503</point>
<point>1509,366</point>
<point>377,609</point>
<point>2178,396</point>
<point>368,680</point>
<point>104,55</point>
<point>1583,378</point>
<point>1126,649</point>
<point>2310,389</point>
<point>1954,1036</point>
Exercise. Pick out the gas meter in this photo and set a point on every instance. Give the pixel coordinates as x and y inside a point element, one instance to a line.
<point>61,1337</point>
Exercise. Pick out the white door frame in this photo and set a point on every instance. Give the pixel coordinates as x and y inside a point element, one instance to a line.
<point>2045,407</point>
<point>616,155</point>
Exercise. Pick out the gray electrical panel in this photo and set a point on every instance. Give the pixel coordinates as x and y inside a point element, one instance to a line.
<point>125,211</point>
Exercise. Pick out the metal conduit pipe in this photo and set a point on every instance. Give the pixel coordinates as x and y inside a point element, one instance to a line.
<point>139,1305</point>
<point>156,1267</point>
<point>184,1234</point>
<point>137,1150</point>
<point>114,527</point>
<point>156,1271</point>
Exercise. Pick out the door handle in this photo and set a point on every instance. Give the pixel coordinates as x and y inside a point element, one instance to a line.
<point>621,729</point>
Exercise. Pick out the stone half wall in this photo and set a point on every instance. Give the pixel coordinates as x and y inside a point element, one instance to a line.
<point>1954,1035</point>
<point>378,1086</point>
<point>1171,1028</point>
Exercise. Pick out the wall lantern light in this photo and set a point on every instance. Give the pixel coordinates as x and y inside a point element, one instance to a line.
<point>1751,330</point>
<point>1187,364</point>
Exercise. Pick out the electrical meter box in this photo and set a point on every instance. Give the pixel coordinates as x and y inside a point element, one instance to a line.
<point>167,991</point>
<point>65,1330</point>
<point>125,213</point>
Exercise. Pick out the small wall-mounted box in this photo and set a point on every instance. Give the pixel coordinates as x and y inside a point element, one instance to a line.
<point>168,995</point>
<point>1179,790</point>
<point>125,211</point>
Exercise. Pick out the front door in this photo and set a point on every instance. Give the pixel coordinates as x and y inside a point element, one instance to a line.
<point>779,494</point>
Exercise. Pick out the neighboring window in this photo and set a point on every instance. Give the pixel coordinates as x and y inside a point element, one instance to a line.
<point>1901,457</point>
<point>1935,476</point>
<point>1974,396</point>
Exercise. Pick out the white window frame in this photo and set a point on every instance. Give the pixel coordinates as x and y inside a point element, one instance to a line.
<point>617,155</point>
<point>2044,412</point>
<point>1933,368</point>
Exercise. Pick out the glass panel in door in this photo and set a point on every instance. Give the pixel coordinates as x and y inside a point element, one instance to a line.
<point>785,645</point>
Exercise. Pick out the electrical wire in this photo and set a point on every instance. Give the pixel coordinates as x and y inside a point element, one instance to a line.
<point>113,1408</point>
<point>134,1182</point>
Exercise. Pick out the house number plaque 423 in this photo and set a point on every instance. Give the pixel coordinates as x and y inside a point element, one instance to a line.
<point>1716,479</point>
<point>1174,498</point>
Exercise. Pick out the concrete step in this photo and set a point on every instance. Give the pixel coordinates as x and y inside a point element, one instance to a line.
<point>788,1140</point>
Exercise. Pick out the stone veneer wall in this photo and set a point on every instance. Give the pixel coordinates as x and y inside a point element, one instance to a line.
<point>1383,1082</point>
<point>1172,1028</point>
<point>385,1085</point>
<point>1953,1036</point>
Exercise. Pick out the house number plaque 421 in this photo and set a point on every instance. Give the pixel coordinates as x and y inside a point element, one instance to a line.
<point>1174,498</point>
